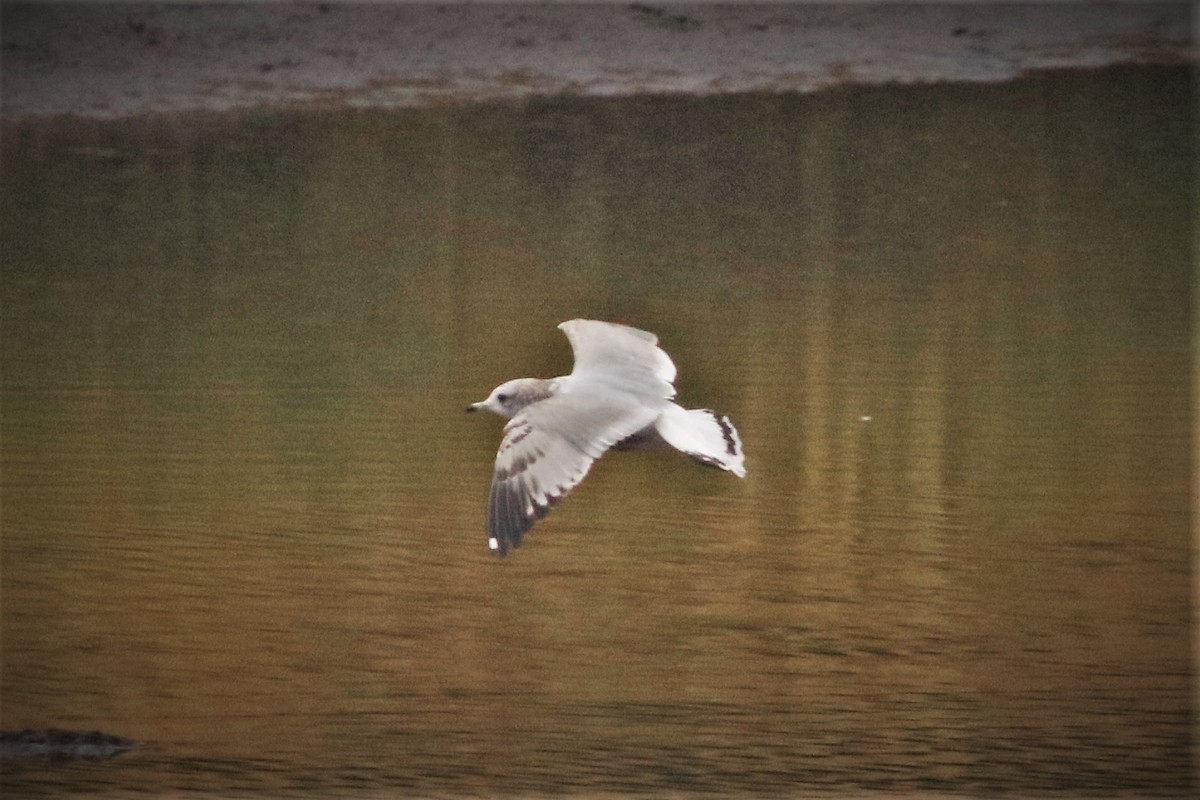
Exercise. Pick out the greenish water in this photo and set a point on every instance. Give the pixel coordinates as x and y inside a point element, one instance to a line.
<point>243,510</point>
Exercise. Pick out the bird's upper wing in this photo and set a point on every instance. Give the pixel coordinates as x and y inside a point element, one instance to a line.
<point>620,357</point>
<point>549,447</point>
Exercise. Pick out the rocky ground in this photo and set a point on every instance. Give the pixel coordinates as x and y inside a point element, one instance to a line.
<point>53,743</point>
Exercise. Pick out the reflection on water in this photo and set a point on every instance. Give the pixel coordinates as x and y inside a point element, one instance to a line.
<point>242,509</point>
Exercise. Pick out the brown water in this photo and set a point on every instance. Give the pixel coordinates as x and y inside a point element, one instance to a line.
<point>243,510</point>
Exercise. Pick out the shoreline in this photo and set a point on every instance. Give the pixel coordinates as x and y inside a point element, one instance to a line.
<point>126,60</point>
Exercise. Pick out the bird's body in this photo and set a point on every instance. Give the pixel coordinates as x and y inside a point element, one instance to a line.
<point>619,394</point>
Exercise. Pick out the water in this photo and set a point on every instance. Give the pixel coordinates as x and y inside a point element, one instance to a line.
<point>243,510</point>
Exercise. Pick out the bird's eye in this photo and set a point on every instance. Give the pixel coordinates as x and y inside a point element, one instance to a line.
<point>503,398</point>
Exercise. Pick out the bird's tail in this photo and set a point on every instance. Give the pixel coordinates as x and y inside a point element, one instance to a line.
<point>705,436</point>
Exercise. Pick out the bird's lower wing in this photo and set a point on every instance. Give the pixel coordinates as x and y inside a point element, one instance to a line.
<point>546,451</point>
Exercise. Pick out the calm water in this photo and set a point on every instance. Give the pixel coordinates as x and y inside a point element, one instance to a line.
<point>243,509</point>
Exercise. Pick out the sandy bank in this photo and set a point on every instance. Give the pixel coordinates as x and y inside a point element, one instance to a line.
<point>127,59</point>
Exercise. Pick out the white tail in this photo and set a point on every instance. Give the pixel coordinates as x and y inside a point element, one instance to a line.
<point>704,436</point>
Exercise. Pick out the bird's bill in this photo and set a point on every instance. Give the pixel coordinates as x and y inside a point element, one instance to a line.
<point>476,406</point>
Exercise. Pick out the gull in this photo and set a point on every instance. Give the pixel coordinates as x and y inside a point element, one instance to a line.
<point>619,395</point>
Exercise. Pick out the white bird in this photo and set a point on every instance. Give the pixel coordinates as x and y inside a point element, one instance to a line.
<point>619,394</point>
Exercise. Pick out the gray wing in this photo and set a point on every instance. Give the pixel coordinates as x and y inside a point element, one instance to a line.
<point>621,357</point>
<point>547,450</point>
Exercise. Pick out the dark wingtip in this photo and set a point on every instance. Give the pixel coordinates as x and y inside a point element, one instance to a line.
<point>503,546</point>
<point>506,524</point>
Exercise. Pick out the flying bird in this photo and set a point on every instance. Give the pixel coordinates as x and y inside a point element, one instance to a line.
<point>618,395</point>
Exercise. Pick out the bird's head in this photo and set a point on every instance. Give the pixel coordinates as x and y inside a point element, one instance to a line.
<point>509,398</point>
